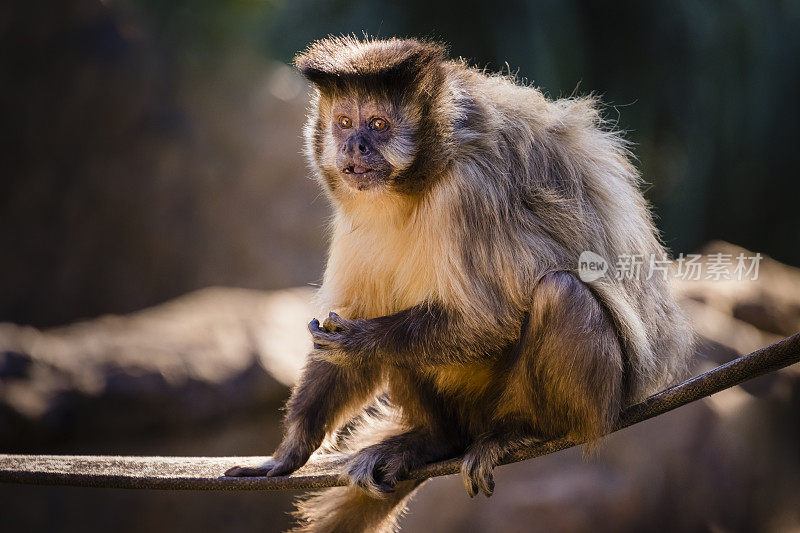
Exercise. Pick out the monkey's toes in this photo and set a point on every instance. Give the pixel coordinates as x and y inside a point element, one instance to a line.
<point>477,476</point>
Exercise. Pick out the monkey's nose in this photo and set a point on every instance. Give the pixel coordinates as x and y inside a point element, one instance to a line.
<point>354,143</point>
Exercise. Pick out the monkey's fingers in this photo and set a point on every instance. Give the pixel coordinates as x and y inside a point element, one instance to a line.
<point>246,471</point>
<point>334,323</point>
<point>283,468</point>
<point>322,339</point>
<point>329,346</point>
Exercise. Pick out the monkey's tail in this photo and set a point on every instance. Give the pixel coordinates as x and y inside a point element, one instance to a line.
<point>350,509</point>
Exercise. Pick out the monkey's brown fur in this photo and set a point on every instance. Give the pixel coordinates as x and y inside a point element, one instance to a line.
<point>455,241</point>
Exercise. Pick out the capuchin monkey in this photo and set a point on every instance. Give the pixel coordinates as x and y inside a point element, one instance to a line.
<point>458,323</point>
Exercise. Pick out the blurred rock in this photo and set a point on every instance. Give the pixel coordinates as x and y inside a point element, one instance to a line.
<point>185,362</point>
<point>735,317</point>
<point>770,304</point>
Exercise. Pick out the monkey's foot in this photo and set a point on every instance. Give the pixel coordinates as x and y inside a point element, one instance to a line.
<point>375,469</point>
<point>477,468</point>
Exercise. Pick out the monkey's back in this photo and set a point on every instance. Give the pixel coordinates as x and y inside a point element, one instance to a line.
<point>550,180</point>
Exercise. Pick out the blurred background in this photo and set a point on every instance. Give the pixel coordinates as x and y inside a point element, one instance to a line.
<point>151,149</point>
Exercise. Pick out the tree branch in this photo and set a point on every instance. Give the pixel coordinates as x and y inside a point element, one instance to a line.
<point>203,473</point>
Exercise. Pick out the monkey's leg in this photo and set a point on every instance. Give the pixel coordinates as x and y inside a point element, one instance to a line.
<point>377,468</point>
<point>572,360</point>
<point>564,379</point>
<point>324,395</point>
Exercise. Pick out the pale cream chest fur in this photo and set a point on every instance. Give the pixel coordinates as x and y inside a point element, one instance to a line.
<point>386,257</point>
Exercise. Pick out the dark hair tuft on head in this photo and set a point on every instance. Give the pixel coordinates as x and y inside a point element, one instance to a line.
<point>337,60</point>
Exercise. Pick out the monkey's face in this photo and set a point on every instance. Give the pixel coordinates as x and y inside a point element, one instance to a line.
<point>369,143</point>
<point>380,124</point>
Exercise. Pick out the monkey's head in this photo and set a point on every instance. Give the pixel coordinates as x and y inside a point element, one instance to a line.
<point>378,120</point>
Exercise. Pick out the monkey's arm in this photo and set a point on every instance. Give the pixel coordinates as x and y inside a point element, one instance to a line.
<point>324,394</point>
<point>426,335</point>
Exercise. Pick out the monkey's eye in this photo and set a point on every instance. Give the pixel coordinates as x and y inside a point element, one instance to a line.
<point>345,122</point>
<point>378,124</point>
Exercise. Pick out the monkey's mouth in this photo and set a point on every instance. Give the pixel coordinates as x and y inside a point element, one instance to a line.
<point>357,169</point>
<point>362,178</point>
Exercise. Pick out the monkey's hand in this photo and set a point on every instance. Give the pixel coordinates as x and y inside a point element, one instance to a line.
<point>286,460</point>
<point>336,341</point>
